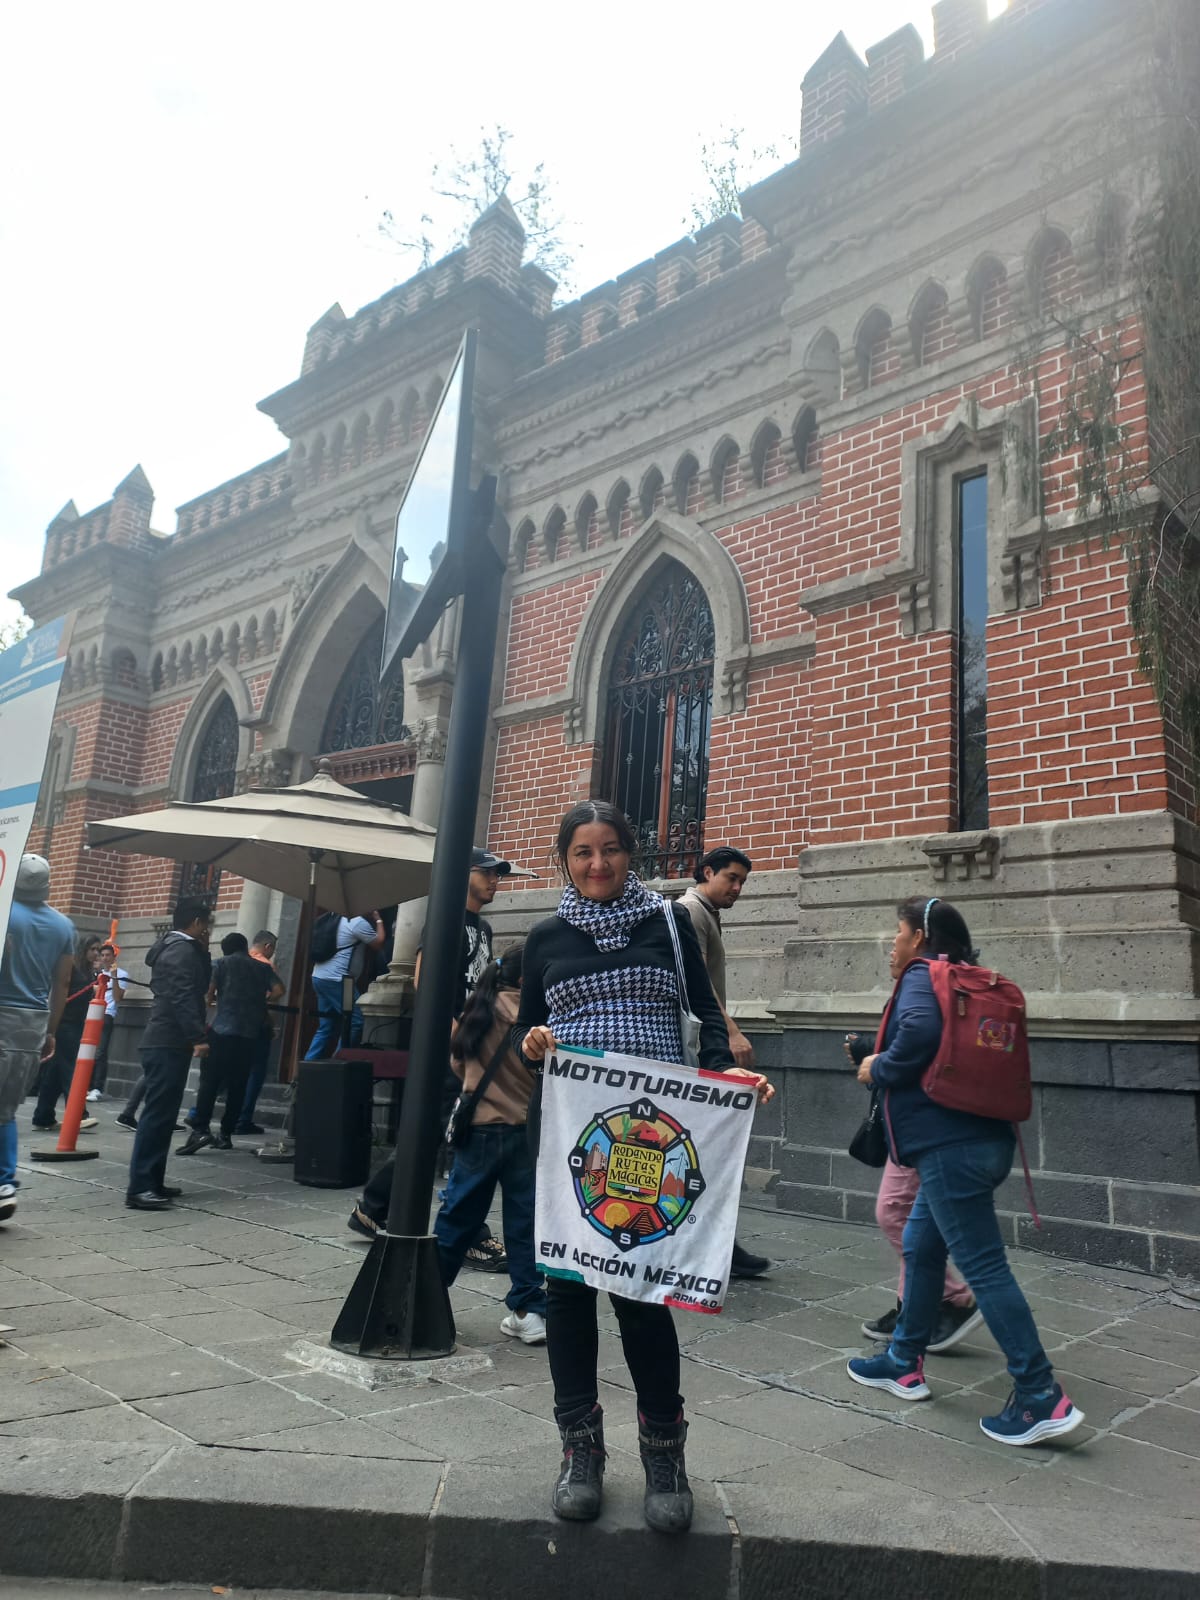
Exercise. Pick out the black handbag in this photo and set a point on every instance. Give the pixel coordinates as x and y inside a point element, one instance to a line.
<point>458,1129</point>
<point>869,1144</point>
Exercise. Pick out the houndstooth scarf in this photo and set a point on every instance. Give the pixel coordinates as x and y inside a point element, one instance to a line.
<point>609,922</point>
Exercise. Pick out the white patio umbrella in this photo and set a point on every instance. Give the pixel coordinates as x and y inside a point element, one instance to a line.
<point>318,841</point>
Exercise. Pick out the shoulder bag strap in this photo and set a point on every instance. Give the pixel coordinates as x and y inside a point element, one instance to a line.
<point>680,976</point>
<point>490,1071</point>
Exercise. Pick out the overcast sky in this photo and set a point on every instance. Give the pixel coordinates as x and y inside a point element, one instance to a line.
<point>186,189</point>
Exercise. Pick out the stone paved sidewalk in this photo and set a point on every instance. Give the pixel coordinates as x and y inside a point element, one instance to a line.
<point>153,1421</point>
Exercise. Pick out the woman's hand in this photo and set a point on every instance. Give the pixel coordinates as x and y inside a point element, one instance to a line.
<point>538,1043</point>
<point>764,1089</point>
<point>864,1071</point>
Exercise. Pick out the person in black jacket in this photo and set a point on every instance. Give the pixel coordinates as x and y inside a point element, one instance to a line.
<point>601,974</point>
<point>180,969</point>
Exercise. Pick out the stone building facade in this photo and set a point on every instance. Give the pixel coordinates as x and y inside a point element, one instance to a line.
<point>793,565</point>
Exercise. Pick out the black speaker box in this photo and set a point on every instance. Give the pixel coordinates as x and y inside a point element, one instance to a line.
<point>333,1124</point>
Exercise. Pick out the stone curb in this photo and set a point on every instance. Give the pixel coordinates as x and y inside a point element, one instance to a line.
<point>280,1520</point>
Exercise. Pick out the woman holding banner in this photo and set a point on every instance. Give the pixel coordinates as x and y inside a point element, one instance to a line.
<point>601,974</point>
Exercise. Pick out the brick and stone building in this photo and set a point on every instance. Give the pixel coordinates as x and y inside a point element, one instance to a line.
<point>792,566</point>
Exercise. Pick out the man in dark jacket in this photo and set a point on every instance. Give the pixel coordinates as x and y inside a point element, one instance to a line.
<point>180,969</point>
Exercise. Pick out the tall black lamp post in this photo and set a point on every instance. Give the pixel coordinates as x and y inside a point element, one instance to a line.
<point>398,1307</point>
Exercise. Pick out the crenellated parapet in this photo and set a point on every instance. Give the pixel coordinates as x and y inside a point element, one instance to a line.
<point>123,521</point>
<point>841,91</point>
<point>261,487</point>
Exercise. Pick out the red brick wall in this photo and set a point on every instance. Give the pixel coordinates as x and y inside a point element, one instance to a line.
<point>541,633</point>
<point>859,742</point>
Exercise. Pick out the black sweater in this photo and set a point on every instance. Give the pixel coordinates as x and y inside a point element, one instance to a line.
<point>556,952</point>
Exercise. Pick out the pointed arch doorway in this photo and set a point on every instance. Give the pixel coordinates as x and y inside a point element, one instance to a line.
<point>658,718</point>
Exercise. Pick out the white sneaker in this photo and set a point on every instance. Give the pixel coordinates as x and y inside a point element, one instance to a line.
<point>86,1124</point>
<point>8,1201</point>
<point>94,1094</point>
<point>526,1326</point>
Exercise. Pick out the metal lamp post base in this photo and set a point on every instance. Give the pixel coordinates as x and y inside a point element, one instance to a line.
<point>398,1308</point>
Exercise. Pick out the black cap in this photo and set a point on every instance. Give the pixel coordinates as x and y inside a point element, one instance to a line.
<point>485,861</point>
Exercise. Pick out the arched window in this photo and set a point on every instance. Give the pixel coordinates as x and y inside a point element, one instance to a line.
<point>659,711</point>
<point>214,775</point>
<point>363,712</point>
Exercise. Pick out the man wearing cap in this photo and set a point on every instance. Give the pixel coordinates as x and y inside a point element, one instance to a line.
<point>370,1215</point>
<point>35,974</point>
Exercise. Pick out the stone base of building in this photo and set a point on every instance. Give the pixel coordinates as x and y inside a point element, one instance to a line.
<point>1115,1171</point>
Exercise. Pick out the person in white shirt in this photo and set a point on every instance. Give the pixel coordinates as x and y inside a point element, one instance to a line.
<point>327,982</point>
<point>118,979</point>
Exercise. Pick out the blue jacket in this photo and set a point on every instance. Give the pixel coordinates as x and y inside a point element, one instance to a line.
<point>912,1121</point>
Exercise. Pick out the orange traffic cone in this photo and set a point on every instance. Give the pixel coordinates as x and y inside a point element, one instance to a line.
<point>81,1082</point>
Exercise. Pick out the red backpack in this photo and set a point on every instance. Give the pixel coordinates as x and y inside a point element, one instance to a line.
<point>982,1064</point>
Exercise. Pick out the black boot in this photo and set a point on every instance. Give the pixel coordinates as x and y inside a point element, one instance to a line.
<point>745,1265</point>
<point>580,1485</point>
<point>668,1502</point>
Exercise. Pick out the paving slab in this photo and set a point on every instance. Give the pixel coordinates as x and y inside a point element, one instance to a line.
<point>174,1335</point>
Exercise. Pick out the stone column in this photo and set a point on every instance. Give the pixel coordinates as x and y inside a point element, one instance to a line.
<point>431,689</point>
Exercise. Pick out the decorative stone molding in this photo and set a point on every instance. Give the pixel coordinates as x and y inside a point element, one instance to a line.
<point>666,536</point>
<point>1005,440</point>
<point>429,736</point>
<point>968,855</point>
<point>303,586</point>
<point>270,769</point>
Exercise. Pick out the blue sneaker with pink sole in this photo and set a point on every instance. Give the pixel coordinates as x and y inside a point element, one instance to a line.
<point>1030,1421</point>
<point>885,1372</point>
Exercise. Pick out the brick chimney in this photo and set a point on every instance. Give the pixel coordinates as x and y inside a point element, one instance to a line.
<point>893,65</point>
<point>835,93</point>
<point>495,245</point>
<point>957,25</point>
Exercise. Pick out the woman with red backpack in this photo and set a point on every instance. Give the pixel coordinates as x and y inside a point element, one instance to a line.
<point>961,1158</point>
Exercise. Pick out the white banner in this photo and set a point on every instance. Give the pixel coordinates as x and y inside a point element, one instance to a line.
<point>638,1178</point>
<point>30,673</point>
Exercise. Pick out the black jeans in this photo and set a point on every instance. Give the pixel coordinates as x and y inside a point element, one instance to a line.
<point>59,1070</point>
<point>259,1062</point>
<point>136,1098</point>
<point>225,1070</point>
<point>100,1070</point>
<point>165,1073</point>
<point>648,1339</point>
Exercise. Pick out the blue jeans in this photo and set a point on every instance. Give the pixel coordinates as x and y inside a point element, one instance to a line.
<point>8,1152</point>
<point>955,1213</point>
<point>495,1153</point>
<point>329,1005</point>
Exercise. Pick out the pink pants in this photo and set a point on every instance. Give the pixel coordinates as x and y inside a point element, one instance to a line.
<point>897,1191</point>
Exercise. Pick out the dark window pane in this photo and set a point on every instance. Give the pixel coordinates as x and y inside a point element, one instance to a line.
<point>214,777</point>
<point>972,653</point>
<point>659,712</point>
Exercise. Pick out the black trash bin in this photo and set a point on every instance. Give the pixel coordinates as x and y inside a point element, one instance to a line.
<point>333,1124</point>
